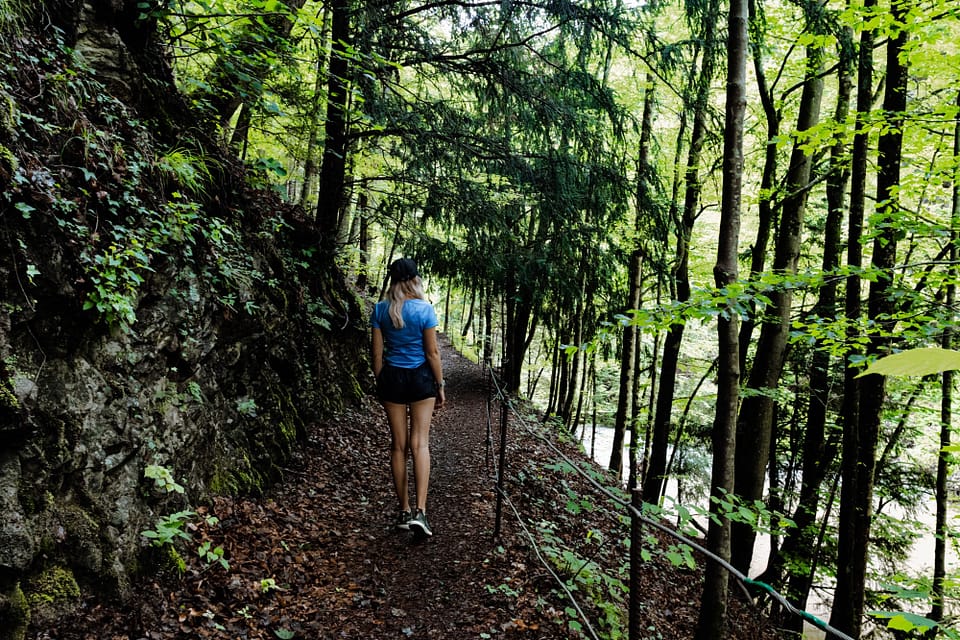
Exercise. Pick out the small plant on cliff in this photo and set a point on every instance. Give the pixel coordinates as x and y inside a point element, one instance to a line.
<point>12,15</point>
<point>162,479</point>
<point>182,524</point>
<point>169,528</point>
<point>247,407</point>
<point>189,171</point>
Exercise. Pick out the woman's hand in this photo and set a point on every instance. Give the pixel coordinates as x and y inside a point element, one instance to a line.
<point>441,398</point>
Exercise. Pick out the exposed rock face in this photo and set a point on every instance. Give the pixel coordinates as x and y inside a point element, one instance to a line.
<point>215,335</point>
<point>102,49</point>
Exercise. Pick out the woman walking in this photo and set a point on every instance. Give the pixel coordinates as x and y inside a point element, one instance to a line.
<point>409,372</point>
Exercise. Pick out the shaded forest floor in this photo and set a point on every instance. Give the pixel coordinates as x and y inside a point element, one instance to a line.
<point>318,557</point>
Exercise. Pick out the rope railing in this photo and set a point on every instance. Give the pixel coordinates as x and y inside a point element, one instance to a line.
<point>503,498</point>
<point>633,511</point>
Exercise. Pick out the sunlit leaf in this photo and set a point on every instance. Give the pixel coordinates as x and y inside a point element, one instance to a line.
<point>915,362</point>
<point>905,621</point>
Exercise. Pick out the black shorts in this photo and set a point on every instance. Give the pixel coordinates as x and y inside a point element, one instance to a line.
<point>403,386</point>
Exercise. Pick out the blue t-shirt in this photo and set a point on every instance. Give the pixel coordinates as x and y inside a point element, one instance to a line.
<point>404,347</point>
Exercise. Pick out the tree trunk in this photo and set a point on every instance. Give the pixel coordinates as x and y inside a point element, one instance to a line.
<point>842,614</point>
<point>519,298</point>
<point>628,357</point>
<point>946,407</point>
<point>818,452</point>
<point>576,334</point>
<point>755,424</point>
<point>631,335</point>
<point>363,245</point>
<point>654,480</point>
<point>856,504</point>
<point>711,624</point>
<point>310,159</point>
<point>765,209</point>
<point>332,189</point>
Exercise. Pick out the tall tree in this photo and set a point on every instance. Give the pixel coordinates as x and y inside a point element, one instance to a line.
<point>697,106</point>
<point>713,607</point>
<point>859,453</point>
<point>944,456</point>
<point>333,167</point>
<point>846,619</point>
<point>755,422</point>
<point>238,76</point>
<point>766,211</point>
<point>645,208</point>
<point>799,551</point>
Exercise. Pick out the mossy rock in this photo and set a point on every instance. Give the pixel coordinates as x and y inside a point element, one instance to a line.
<point>8,165</point>
<point>14,614</point>
<point>52,593</point>
<point>83,538</point>
<point>7,399</point>
<point>8,109</point>
<point>239,479</point>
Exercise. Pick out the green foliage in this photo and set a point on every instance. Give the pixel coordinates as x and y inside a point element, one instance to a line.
<point>187,170</point>
<point>170,528</point>
<point>503,589</point>
<point>268,584</point>
<point>162,479</point>
<point>193,388</point>
<point>247,407</point>
<point>105,200</point>
<point>210,554</point>
<point>755,513</point>
<point>115,275</point>
<point>14,16</point>
<point>916,597</point>
<point>607,591</point>
<point>180,526</point>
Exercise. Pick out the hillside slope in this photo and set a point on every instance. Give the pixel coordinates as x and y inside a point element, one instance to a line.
<point>165,315</point>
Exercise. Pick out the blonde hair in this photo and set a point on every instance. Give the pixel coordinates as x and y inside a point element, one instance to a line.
<point>398,293</point>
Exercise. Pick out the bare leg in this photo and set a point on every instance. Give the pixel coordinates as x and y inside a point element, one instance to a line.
<point>397,417</point>
<point>420,415</point>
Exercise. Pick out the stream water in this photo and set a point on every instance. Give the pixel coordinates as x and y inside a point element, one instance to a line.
<point>920,558</point>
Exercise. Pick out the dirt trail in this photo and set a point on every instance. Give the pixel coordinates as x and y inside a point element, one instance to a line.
<point>319,557</point>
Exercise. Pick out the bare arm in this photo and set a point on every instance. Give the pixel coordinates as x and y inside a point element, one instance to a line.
<point>376,351</point>
<point>431,349</point>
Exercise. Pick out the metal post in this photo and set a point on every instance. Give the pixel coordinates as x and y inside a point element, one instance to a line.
<point>501,471</point>
<point>635,542</point>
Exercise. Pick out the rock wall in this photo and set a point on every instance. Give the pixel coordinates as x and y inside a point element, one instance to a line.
<point>226,335</point>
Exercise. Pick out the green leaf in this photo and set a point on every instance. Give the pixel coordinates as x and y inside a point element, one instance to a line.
<point>905,621</point>
<point>915,362</point>
<point>25,209</point>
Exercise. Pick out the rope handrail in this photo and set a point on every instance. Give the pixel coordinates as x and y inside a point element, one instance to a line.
<point>636,513</point>
<point>533,541</point>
